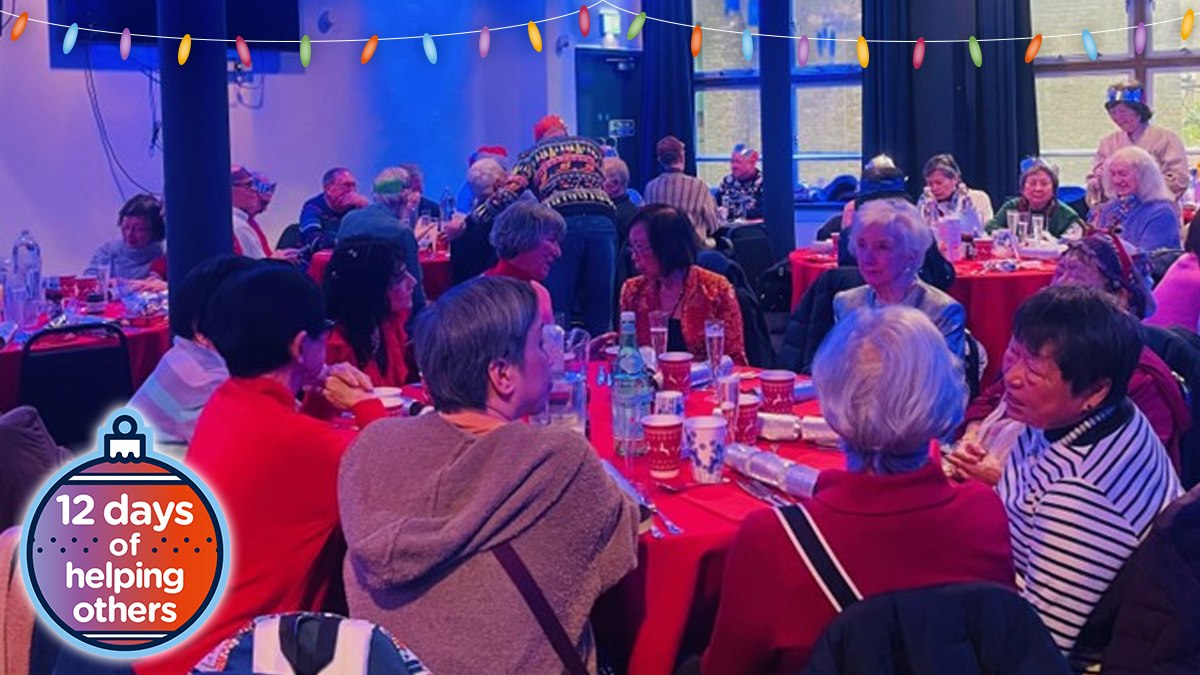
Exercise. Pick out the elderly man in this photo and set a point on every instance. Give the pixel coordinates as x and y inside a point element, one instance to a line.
<point>252,192</point>
<point>388,219</point>
<point>741,191</point>
<point>616,184</point>
<point>564,173</point>
<point>322,215</point>
<point>687,193</point>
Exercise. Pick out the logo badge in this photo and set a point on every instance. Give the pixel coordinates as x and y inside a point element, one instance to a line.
<point>125,551</point>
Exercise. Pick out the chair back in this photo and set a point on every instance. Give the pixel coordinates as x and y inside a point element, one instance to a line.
<point>752,250</point>
<point>76,384</point>
<point>756,336</point>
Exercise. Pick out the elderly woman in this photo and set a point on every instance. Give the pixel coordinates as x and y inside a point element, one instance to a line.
<point>1178,294</point>
<point>1105,263</point>
<point>528,239</point>
<point>889,241</point>
<point>1039,197</point>
<point>616,186</point>
<point>519,494</point>
<point>664,247</point>
<point>1130,111</point>
<point>888,386</point>
<point>1142,209</point>
<point>471,252</point>
<point>368,295</point>
<point>947,196</point>
<point>273,468</point>
<point>388,218</point>
<point>1087,475</point>
<point>140,247</point>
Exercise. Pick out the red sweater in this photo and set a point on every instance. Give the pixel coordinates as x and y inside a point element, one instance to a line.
<point>274,472</point>
<point>393,340</point>
<point>890,533</point>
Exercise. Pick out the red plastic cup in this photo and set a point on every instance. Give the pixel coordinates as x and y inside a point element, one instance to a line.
<point>778,387</point>
<point>664,440</point>
<point>747,419</point>
<point>983,249</point>
<point>676,368</point>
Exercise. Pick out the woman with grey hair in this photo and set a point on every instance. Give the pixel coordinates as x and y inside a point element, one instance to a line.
<point>889,241</point>
<point>947,196</point>
<point>528,238</point>
<point>487,492</point>
<point>471,252</point>
<point>891,521</point>
<point>1142,209</point>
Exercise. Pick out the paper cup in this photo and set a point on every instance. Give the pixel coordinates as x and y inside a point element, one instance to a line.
<point>676,369</point>
<point>747,419</point>
<point>778,390</point>
<point>668,403</point>
<point>664,440</point>
<point>705,441</point>
<point>983,248</point>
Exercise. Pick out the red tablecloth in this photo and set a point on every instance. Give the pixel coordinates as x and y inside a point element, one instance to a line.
<point>435,271</point>
<point>669,604</point>
<point>990,298</point>
<point>147,344</point>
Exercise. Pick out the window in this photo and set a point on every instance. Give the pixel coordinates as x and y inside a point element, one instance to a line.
<point>828,91</point>
<point>1071,88</point>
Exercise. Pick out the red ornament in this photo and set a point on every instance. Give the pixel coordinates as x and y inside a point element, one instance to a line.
<point>919,53</point>
<point>585,20</point>
<point>243,51</point>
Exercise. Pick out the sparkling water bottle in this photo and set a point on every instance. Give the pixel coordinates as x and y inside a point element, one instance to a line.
<point>447,205</point>
<point>631,392</point>
<point>26,279</point>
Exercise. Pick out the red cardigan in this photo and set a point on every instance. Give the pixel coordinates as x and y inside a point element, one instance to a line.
<point>890,533</point>
<point>1152,388</point>
<point>393,340</point>
<point>274,472</point>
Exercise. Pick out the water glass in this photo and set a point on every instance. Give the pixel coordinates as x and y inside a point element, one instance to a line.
<point>728,392</point>
<point>714,342</point>
<point>658,332</point>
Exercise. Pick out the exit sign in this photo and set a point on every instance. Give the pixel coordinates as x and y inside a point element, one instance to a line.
<point>620,128</point>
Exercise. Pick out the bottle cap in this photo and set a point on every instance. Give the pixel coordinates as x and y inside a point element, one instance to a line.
<point>629,317</point>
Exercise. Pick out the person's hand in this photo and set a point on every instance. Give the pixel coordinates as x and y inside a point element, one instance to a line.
<point>971,432</point>
<point>599,343</point>
<point>425,227</point>
<point>455,227</point>
<point>971,461</point>
<point>288,254</point>
<point>149,285</point>
<point>346,386</point>
<point>352,200</point>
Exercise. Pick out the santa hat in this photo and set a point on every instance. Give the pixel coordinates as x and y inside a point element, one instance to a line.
<point>546,125</point>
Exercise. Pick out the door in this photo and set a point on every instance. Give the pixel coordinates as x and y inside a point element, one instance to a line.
<point>608,92</point>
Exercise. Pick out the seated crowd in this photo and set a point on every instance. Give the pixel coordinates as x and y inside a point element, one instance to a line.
<point>1045,483</point>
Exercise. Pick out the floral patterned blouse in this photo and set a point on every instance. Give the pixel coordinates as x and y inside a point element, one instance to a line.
<point>706,295</point>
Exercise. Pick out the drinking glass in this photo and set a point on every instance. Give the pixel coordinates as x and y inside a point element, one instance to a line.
<point>714,343</point>
<point>658,332</point>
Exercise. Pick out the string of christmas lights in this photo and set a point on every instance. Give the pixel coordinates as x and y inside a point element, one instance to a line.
<point>535,38</point>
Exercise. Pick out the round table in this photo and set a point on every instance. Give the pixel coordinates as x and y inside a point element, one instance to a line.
<point>990,298</point>
<point>668,605</point>
<point>436,276</point>
<point>147,344</point>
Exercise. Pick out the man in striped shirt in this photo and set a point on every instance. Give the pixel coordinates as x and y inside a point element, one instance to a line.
<point>1088,475</point>
<point>689,194</point>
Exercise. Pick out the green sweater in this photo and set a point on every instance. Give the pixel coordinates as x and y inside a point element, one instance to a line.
<point>1057,223</point>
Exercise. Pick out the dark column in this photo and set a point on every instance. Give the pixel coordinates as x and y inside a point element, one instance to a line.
<point>195,115</point>
<point>775,59</point>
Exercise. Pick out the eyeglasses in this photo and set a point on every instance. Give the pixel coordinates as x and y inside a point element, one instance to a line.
<point>640,250</point>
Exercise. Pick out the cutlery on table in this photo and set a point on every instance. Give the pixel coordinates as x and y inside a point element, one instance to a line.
<point>761,494</point>
<point>676,489</point>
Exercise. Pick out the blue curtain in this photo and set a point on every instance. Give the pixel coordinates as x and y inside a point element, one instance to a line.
<point>668,98</point>
<point>1003,127</point>
<point>889,119</point>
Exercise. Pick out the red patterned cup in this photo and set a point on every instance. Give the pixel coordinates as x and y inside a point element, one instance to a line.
<point>778,388</point>
<point>664,439</point>
<point>983,248</point>
<point>676,369</point>
<point>747,419</point>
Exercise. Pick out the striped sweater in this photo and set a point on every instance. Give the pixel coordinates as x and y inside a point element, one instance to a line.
<point>688,194</point>
<point>1078,505</point>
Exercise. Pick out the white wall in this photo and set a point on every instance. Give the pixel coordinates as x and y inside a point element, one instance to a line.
<point>54,178</point>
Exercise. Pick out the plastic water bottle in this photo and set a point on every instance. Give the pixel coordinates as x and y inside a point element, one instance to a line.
<point>447,204</point>
<point>631,392</point>
<point>26,278</point>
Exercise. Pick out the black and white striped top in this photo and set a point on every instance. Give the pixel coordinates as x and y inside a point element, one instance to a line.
<point>1077,508</point>
<point>689,194</point>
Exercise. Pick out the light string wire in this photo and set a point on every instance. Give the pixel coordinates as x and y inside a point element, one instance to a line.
<point>622,9</point>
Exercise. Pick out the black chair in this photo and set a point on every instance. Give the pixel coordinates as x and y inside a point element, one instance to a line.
<point>290,237</point>
<point>755,335</point>
<point>74,386</point>
<point>813,318</point>
<point>752,250</point>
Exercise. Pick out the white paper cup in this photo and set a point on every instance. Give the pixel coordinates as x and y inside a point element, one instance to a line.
<point>704,438</point>
<point>668,403</point>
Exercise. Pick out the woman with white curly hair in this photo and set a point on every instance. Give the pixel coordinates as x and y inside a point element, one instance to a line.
<point>1142,209</point>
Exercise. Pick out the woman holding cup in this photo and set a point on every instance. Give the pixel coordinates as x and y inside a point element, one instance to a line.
<point>888,386</point>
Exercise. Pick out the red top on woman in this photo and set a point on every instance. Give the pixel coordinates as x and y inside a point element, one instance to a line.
<point>889,532</point>
<point>392,340</point>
